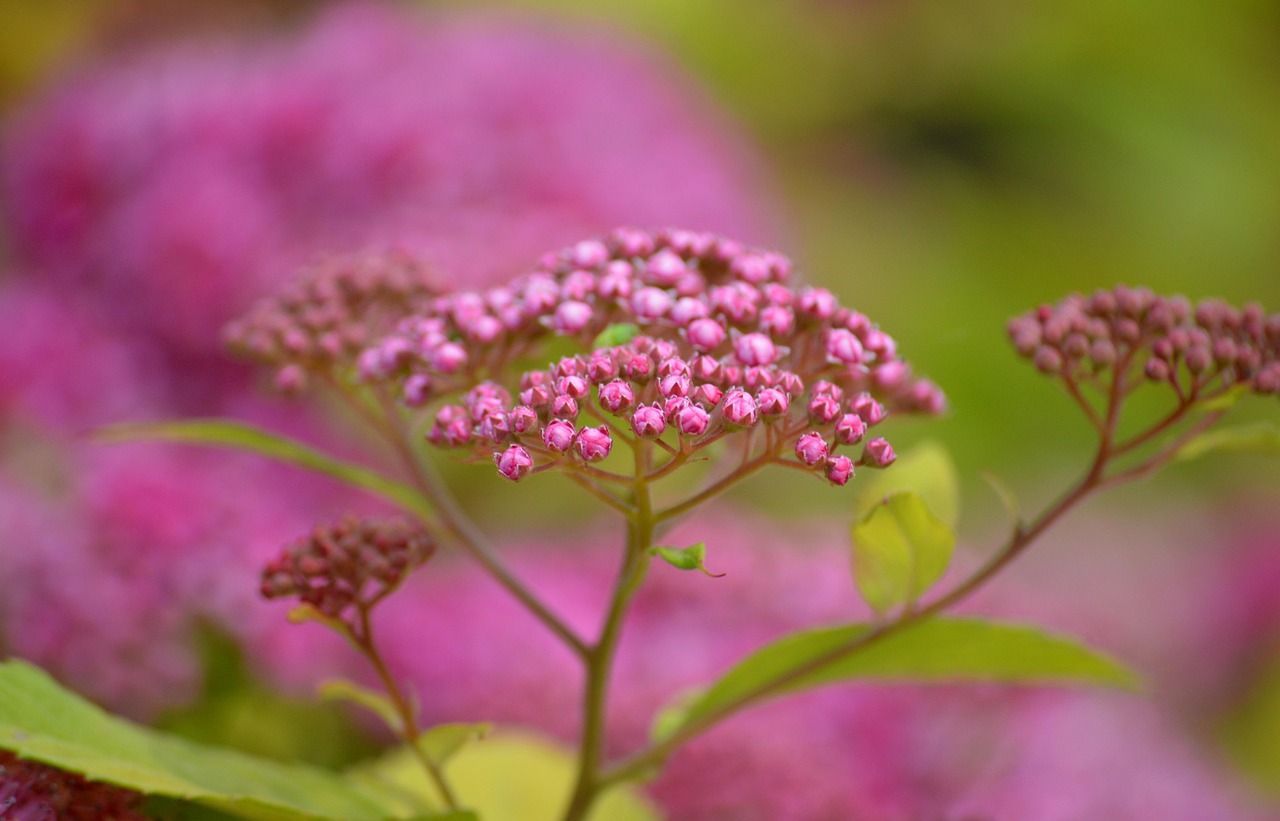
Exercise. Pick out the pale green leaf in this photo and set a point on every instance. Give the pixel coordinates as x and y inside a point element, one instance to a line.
<point>899,551</point>
<point>926,470</point>
<point>508,776</point>
<point>619,333</point>
<point>443,741</point>
<point>241,436</point>
<point>930,651</point>
<point>340,689</point>
<point>692,557</point>
<point>41,720</point>
<point>1260,437</point>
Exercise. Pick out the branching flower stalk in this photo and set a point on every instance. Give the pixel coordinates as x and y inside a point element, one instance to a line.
<point>692,347</point>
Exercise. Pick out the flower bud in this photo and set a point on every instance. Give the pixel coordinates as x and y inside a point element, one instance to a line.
<point>522,419</point>
<point>839,470</point>
<point>291,379</point>
<point>417,390</point>
<point>811,449</point>
<point>707,395</point>
<point>739,408</point>
<point>648,422</point>
<point>448,358</point>
<point>639,368</point>
<point>574,386</point>
<point>616,396</point>
<point>564,407</point>
<point>871,411</point>
<point>675,384</point>
<point>692,420</point>
<point>558,435</point>
<point>588,254</point>
<point>514,463</point>
<point>850,429</point>
<point>774,402</point>
<point>594,444</point>
<point>878,453</point>
<point>664,268</point>
<point>651,303</point>
<point>571,317</point>
<point>777,321</point>
<point>817,303</point>
<point>842,346</point>
<point>705,334</point>
<point>755,349</point>
<point>823,409</point>
<point>601,368</point>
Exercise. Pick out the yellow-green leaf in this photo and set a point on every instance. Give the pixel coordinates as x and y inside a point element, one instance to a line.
<point>934,650</point>
<point>900,550</point>
<point>41,720</point>
<point>927,471</point>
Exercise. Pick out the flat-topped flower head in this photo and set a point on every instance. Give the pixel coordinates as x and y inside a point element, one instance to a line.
<point>721,343</point>
<point>348,566</point>
<point>1199,351</point>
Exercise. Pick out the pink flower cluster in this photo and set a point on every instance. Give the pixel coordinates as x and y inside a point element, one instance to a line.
<point>324,320</point>
<point>350,564</point>
<point>1197,350</point>
<point>726,345</point>
<point>30,791</point>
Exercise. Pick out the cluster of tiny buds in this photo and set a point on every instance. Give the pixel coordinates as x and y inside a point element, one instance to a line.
<point>352,563</point>
<point>31,791</point>
<point>330,315</point>
<point>1198,350</point>
<point>707,293</point>
<point>648,389</point>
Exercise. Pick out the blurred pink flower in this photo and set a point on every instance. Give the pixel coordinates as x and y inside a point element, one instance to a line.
<point>180,182</point>
<point>879,753</point>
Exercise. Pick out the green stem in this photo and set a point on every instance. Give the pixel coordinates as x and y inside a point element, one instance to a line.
<point>599,659</point>
<point>408,719</point>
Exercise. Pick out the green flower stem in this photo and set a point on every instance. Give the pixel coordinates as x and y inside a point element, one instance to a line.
<point>410,732</point>
<point>599,659</point>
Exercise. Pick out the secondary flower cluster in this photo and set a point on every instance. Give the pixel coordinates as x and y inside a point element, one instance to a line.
<point>1198,350</point>
<point>323,322</point>
<point>352,563</point>
<point>30,791</point>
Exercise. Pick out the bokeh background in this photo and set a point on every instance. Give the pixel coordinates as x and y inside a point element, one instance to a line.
<point>941,167</point>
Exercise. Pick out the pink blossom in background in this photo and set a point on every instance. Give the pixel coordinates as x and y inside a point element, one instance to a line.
<point>179,183</point>
<point>879,753</point>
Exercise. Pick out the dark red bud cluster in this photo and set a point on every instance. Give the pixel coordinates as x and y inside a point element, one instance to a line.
<point>352,563</point>
<point>1199,351</point>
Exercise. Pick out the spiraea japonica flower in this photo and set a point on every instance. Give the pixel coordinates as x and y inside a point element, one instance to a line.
<point>347,566</point>
<point>322,322</point>
<point>720,342</point>
<point>1199,351</point>
<point>31,791</point>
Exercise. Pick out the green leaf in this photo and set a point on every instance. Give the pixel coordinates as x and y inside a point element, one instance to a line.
<point>927,471</point>
<point>509,776</point>
<point>340,689</point>
<point>43,721</point>
<point>934,650</point>
<point>1260,437</point>
<point>619,333</point>
<point>240,436</point>
<point>686,558</point>
<point>899,551</point>
<point>443,741</point>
